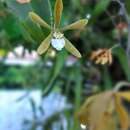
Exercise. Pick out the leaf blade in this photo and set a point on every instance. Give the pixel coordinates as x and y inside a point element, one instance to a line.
<point>122,113</point>
<point>98,106</point>
<point>83,114</point>
<point>125,95</point>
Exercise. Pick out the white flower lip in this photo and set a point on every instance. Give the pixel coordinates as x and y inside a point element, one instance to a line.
<point>83,126</point>
<point>58,44</point>
<point>58,41</point>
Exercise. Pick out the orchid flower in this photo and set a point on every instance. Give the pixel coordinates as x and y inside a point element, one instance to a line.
<point>102,56</point>
<point>56,38</point>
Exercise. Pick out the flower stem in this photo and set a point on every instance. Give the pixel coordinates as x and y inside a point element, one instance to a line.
<point>115,46</point>
<point>120,85</point>
<point>50,10</point>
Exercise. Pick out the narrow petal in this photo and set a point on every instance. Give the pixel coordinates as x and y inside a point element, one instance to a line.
<point>69,47</point>
<point>98,61</point>
<point>58,12</point>
<point>77,25</point>
<point>95,54</point>
<point>104,61</point>
<point>37,19</point>
<point>110,57</point>
<point>44,45</point>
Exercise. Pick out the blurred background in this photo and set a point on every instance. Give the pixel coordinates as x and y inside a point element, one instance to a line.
<point>44,92</point>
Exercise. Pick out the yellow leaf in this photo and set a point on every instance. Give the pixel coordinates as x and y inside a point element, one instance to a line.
<point>96,110</point>
<point>44,45</point>
<point>99,108</point>
<point>69,47</point>
<point>83,114</point>
<point>125,95</point>
<point>58,12</point>
<point>37,19</point>
<point>108,123</point>
<point>108,120</point>
<point>77,25</point>
<point>122,113</point>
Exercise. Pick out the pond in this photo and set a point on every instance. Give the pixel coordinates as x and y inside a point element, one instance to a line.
<point>18,108</point>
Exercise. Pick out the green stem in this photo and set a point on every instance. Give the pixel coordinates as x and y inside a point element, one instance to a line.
<point>115,46</point>
<point>51,15</point>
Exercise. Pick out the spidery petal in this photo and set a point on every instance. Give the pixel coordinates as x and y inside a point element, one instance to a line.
<point>69,47</point>
<point>44,45</point>
<point>58,12</point>
<point>77,25</point>
<point>37,19</point>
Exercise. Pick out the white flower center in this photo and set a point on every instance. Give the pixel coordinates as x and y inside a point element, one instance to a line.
<point>58,41</point>
<point>83,126</point>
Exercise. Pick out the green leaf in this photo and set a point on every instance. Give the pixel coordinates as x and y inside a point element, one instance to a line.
<point>12,27</point>
<point>41,7</point>
<point>100,7</point>
<point>35,32</point>
<point>107,79</point>
<point>56,70</point>
<point>127,4</point>
<point>121,55</point>
<point>20,10</point>
<point>26,35</point>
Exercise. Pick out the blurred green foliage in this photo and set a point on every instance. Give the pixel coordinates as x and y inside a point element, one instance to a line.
<point>17,77</point>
